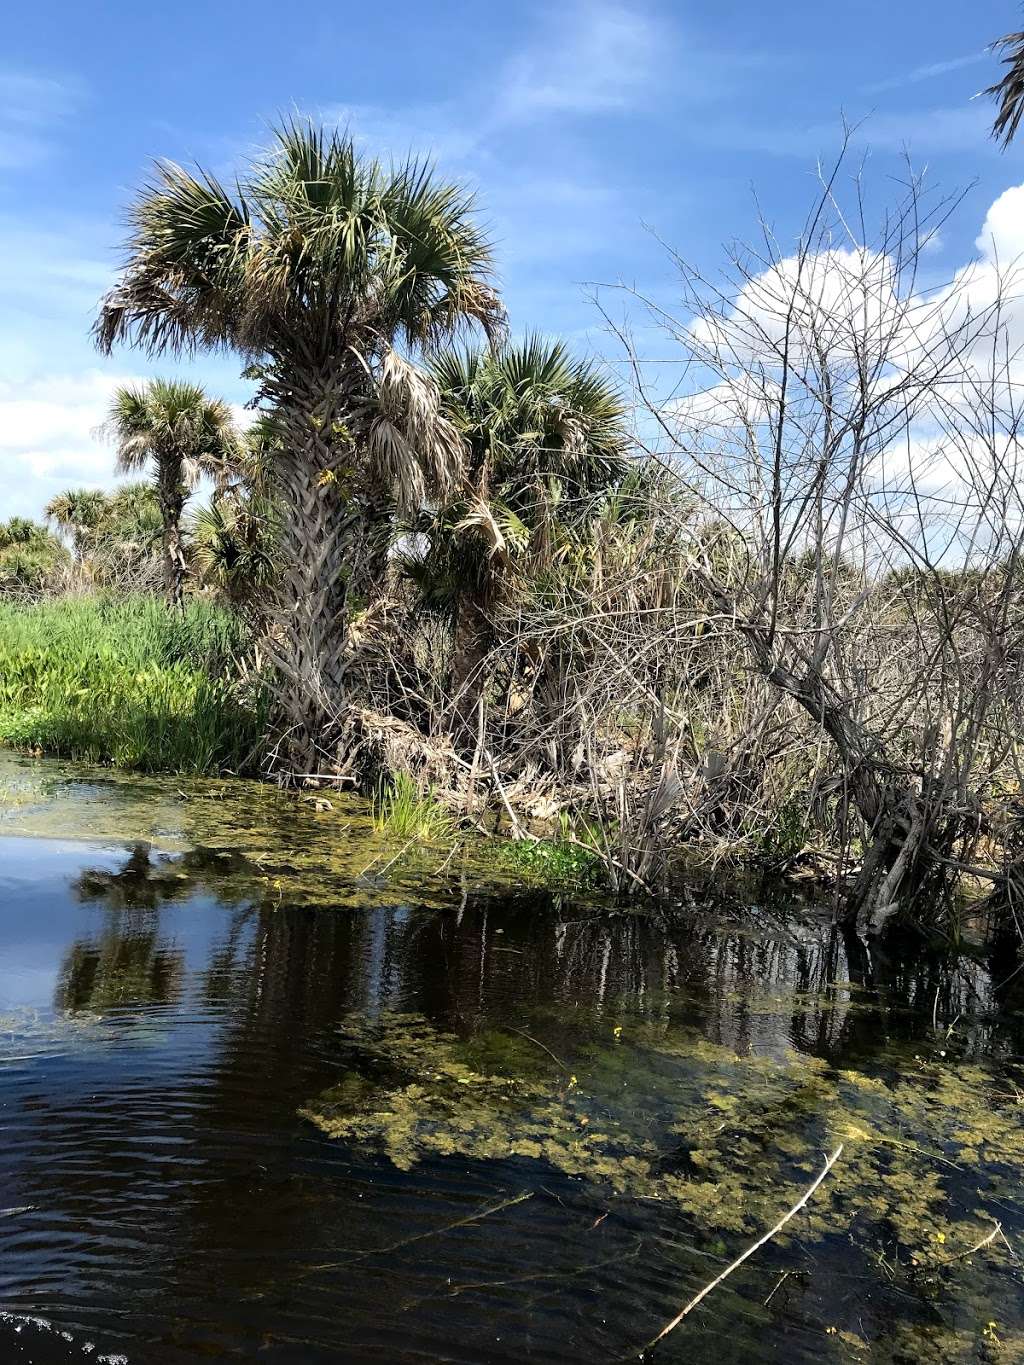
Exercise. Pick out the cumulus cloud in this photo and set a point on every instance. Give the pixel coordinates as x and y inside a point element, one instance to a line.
<point>944,366</point>
<point>1002,235</point>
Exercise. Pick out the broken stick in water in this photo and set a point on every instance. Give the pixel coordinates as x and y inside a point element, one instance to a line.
<point>756,1246</point>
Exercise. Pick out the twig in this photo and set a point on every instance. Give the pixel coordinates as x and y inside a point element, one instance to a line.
<point>780,1282</point>
<point>755,1246</point>
<point>404,849</point>
<point>420,1236</point>
<point>518,832</point>
<point>537,1043</point>
<point>962,1255</point>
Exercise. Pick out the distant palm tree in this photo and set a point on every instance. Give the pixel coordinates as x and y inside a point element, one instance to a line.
<point>545,434</point>
<point>1010,90</point>
<point>315,269</point>
<point>133,518</point>
<point>233,541</point>
<point>77,512</point>
<point>21,531</point>
<point>173,428</point>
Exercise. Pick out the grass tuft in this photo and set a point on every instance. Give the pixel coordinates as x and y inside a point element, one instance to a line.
<point>401,809</point>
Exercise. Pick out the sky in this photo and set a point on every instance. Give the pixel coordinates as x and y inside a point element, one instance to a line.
<point>597,135</point>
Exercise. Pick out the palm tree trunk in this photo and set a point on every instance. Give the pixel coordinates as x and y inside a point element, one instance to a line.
<point>321,524</point>
<point>471,641</point>
<point>172,504</point>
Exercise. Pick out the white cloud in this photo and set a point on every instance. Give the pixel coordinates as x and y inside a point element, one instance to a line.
<point>1002,235</point>
<point>596,58</point>
<point>584,59</point>
<point>926,72</point>
<point>49,438</point>
<point>925,132</point>
<point>942,451</point>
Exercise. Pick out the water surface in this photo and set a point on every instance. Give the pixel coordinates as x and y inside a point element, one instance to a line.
<point>268,1094</point>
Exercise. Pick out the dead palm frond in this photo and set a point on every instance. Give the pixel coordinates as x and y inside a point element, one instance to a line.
<point>1009,91</point>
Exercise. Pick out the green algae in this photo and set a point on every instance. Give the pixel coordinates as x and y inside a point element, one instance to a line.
<point>319,848</point>
<point>933,1147</point>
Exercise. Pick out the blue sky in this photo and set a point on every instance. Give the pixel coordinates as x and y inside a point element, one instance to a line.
<point>590,130</point>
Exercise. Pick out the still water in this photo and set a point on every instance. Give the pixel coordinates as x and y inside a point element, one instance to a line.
<point>272,1090</point>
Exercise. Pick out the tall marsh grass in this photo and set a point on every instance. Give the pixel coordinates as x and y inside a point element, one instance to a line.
<point>130,682</point>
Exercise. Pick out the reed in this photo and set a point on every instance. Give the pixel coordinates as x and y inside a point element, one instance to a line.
<point>401,809</point>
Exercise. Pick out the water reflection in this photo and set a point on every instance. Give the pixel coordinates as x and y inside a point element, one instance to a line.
<point>168,1202</point>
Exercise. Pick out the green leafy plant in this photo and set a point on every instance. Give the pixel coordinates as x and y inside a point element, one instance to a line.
<point>130,682</point>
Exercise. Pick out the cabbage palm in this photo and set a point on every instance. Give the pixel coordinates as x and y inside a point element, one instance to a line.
<point>76,513</point>
<point>545,435</point>
<point>233,541</point>
<point>174,429</point>
<point>315,268</point>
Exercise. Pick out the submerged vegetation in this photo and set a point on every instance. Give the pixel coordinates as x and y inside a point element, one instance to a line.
<point>932,1144</point>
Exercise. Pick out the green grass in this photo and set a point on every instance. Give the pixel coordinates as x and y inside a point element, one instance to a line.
<point>401,809</point>
<point>129,682</point>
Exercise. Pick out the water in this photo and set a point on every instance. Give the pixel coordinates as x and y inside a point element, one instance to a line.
<point>264,1096</point>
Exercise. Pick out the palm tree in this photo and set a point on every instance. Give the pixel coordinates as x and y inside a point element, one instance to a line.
<point>21,531</point>
<point>77,512</point>
<point>545,435</point>
<point>315,269</point>
<point>233,540</point>
<point>174,427</point>
<point>1010,90</point>
<point>29,554</point>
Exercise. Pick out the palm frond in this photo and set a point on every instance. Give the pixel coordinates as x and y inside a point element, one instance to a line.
<point>1009,91</point>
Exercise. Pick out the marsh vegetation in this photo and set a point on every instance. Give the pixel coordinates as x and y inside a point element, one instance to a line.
<point>761,603</point>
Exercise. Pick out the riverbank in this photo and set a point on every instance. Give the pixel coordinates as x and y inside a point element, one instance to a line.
<point>130,682</point>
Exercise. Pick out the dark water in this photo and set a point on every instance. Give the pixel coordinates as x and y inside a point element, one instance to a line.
<point>162,1199</point>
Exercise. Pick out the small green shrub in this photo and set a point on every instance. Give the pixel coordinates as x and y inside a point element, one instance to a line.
<point>131,682</point>
<point>554,861</point>
<point>787,837</point>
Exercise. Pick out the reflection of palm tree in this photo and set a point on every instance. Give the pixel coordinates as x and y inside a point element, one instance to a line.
<point>141,883</point>
<point>130,962</point>
<point>124,968</point>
